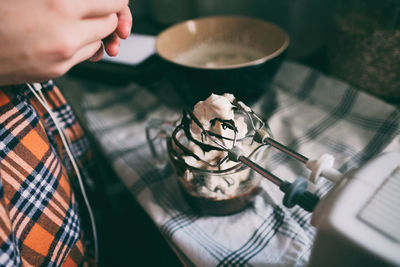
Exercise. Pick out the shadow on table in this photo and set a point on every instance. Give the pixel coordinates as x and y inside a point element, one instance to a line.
<point>128,237</point>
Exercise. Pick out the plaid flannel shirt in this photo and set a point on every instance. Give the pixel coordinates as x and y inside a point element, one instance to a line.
<point>39,219</point>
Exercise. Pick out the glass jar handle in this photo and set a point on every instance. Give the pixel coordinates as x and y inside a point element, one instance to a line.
<point>157,132</point>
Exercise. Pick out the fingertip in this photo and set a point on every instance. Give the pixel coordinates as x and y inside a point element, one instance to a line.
<point>124,23</point>
<point>124,32</point>
<point>112,47</point>
<point>113,51</point>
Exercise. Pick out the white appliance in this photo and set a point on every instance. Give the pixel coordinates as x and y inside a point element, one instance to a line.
<point>358,222</point>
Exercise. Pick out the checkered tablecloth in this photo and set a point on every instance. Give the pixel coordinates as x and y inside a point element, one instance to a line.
<point>306,110</point>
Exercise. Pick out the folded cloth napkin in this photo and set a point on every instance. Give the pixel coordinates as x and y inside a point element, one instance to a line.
<point>306,110</point>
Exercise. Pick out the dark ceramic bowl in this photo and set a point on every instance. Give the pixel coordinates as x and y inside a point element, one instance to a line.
<point>223,54</point>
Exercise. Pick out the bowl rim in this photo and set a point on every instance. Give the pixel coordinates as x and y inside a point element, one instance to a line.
<point>255,62</point>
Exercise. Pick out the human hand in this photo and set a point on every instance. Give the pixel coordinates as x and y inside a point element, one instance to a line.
<point>112,42</point>
<point>43,39</point>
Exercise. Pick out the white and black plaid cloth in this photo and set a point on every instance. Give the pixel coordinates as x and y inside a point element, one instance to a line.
<point>306,110</point>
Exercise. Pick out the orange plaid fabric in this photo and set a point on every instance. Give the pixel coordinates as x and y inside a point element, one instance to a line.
<point>39,220</point>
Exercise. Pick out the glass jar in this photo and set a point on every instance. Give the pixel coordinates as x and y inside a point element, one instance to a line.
<point>227,186</point>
